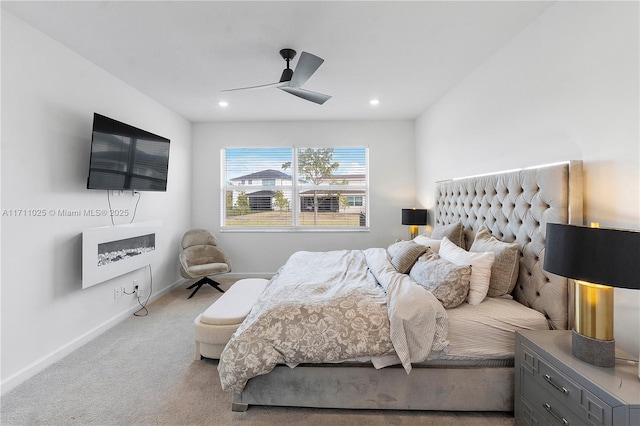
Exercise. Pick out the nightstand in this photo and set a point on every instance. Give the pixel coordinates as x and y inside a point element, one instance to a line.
<point>552,387</point>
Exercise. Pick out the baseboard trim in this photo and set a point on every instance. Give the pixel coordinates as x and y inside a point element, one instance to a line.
<point>44,362</point>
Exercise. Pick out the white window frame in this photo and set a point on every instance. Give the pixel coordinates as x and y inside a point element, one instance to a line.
<point>296,188</point>
<point>355,200</point>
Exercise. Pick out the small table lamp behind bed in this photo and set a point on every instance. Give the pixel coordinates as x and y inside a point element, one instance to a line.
<point>414,218</point>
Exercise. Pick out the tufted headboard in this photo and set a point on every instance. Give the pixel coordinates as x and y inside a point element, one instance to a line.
<point>516,206</point>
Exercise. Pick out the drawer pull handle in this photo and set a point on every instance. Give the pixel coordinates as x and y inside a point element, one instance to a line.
<point>560,388</point>
<point>561,419</point>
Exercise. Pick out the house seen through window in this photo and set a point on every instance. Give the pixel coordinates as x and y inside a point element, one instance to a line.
<point>295,188</point>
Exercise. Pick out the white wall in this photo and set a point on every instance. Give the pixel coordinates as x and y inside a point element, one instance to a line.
<point>566,88</point>
<point>49,95</point>
<point>391,182</point>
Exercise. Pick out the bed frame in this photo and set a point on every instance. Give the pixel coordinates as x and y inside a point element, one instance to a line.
<point>515,206</point>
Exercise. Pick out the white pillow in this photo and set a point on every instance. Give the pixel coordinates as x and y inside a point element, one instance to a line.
<point>429,242</point>
<point>480,268</point>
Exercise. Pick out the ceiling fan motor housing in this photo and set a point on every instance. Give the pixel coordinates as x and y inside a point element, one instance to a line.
<point>286,75</point>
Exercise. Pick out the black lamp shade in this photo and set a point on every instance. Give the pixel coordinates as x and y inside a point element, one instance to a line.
<point>414,216</point>
<point>597,255</point>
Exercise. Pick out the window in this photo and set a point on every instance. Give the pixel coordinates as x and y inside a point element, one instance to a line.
<point>354,201</point>
<point>294,188</point>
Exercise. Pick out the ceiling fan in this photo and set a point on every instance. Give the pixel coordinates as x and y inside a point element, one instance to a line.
<point>291,81</point>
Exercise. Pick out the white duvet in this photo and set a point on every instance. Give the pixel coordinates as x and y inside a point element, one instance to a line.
<point>334,306</point>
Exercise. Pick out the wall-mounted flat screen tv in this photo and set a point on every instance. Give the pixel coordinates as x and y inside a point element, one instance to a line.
<point>124,157</point>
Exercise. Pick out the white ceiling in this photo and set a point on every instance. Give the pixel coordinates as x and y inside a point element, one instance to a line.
<point>183,53</point>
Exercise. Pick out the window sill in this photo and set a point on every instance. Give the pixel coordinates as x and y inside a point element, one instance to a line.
<point>291,229</point>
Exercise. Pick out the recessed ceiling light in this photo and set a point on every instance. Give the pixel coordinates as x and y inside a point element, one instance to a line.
<point>223,104</point>
<point>374,102</point>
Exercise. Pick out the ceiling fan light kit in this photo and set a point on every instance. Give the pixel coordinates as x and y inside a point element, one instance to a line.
<point>292,80</point>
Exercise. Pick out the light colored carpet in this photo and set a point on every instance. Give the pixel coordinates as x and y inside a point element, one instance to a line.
<point>143,372</point>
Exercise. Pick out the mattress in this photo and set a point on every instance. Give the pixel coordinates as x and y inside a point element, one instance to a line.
<point>481,335</point>
<point>484,334</point>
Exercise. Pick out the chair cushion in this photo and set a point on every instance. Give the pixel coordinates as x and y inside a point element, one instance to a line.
<point>236,303</point>
<point>198,255</point>
<point>208,269</point>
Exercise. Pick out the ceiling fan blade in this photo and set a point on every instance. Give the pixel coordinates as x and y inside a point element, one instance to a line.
<point>307,65</point>
<point>308,95</point>
<point>262,86</point>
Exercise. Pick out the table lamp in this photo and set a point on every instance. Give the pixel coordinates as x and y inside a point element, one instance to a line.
<point>597,259</point>
<point>414,218</point>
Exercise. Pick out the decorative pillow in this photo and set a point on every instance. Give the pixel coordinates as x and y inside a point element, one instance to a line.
<point>448,282</point>
<point>480,268</point>
<point>504,271</point>
<point>429,242</point>
<point>454,232</point>
<point>404,254</point>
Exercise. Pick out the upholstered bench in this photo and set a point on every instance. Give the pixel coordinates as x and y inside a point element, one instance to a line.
<point>214,327</point>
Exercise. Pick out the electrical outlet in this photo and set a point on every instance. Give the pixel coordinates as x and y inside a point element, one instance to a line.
<point>136,288</point>
<point>139,292</point>
<point>117,293</point>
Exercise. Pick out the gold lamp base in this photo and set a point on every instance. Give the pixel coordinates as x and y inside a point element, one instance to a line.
<point>413,231</point>
<point>592,339</point>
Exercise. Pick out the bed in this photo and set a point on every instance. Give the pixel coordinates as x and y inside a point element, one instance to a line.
<point>473,371</point>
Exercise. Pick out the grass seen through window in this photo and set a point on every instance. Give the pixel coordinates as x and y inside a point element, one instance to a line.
<point>284,219</point>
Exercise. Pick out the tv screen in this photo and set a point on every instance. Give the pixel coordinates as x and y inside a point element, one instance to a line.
<point>124,157</point>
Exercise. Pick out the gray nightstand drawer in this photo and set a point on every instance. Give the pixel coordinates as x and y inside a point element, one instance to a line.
<point>553,410</point>
<point>559,385</point>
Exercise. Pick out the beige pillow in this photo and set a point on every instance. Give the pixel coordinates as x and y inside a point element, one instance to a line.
<point>480,268</point>
<point>432,243</point>
<point>448,282</point>
<point>404,254</point>
<point>454,232</point>
<point>504,272</point>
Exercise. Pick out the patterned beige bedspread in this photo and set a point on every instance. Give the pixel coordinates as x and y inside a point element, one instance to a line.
<point>333,306</point>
